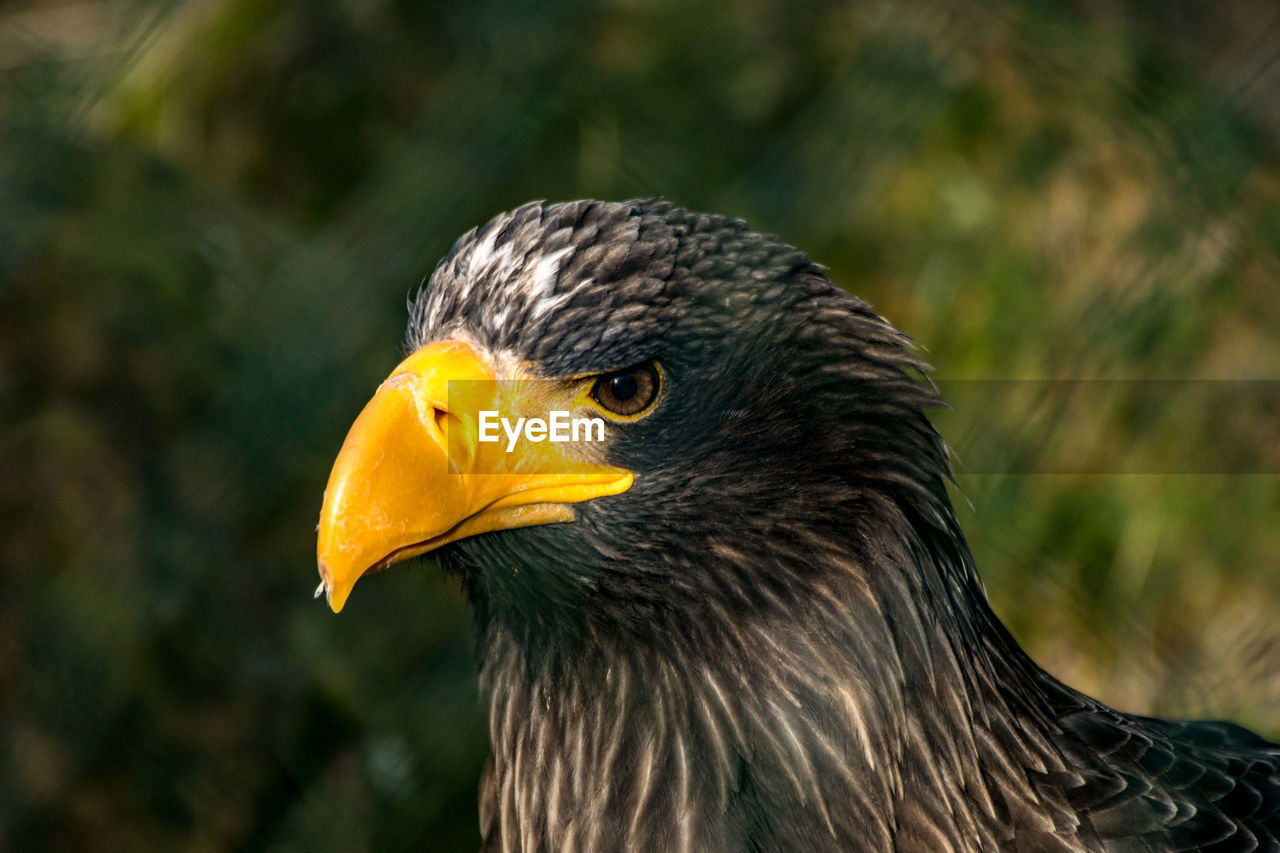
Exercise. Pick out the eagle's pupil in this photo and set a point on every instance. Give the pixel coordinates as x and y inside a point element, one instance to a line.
<point>624,387</point>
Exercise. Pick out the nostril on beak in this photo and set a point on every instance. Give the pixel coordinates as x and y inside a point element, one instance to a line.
<point>455,444</point>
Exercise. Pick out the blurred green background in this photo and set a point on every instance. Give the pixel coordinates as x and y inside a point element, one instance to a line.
<point>211,214</point>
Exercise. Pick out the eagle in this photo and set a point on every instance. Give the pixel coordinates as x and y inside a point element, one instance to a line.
<point>737,611</point>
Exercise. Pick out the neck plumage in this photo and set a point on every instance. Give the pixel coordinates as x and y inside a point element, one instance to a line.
<point>880,707</point>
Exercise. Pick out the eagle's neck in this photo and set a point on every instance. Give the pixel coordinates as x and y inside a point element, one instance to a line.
<point>867,714</point>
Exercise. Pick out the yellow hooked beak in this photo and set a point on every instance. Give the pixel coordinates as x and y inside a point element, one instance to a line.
<point>413,473</point>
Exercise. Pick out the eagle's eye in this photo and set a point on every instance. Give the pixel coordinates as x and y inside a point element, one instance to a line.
<point>628,392</point>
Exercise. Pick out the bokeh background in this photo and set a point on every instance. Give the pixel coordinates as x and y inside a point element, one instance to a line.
<point>211,214</point>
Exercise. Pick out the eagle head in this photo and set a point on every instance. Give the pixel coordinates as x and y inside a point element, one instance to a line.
<point>734,402</point>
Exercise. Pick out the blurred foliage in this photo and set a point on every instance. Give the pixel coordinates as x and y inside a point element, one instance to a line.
<point>211,213</point>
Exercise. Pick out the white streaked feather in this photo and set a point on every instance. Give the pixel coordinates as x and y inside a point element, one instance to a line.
<point>541,279</point>
<point>644,770</point>
<point>853,713</point>
<point>685,810</point>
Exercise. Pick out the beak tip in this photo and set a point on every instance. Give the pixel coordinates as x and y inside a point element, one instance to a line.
<point>333,598</point>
